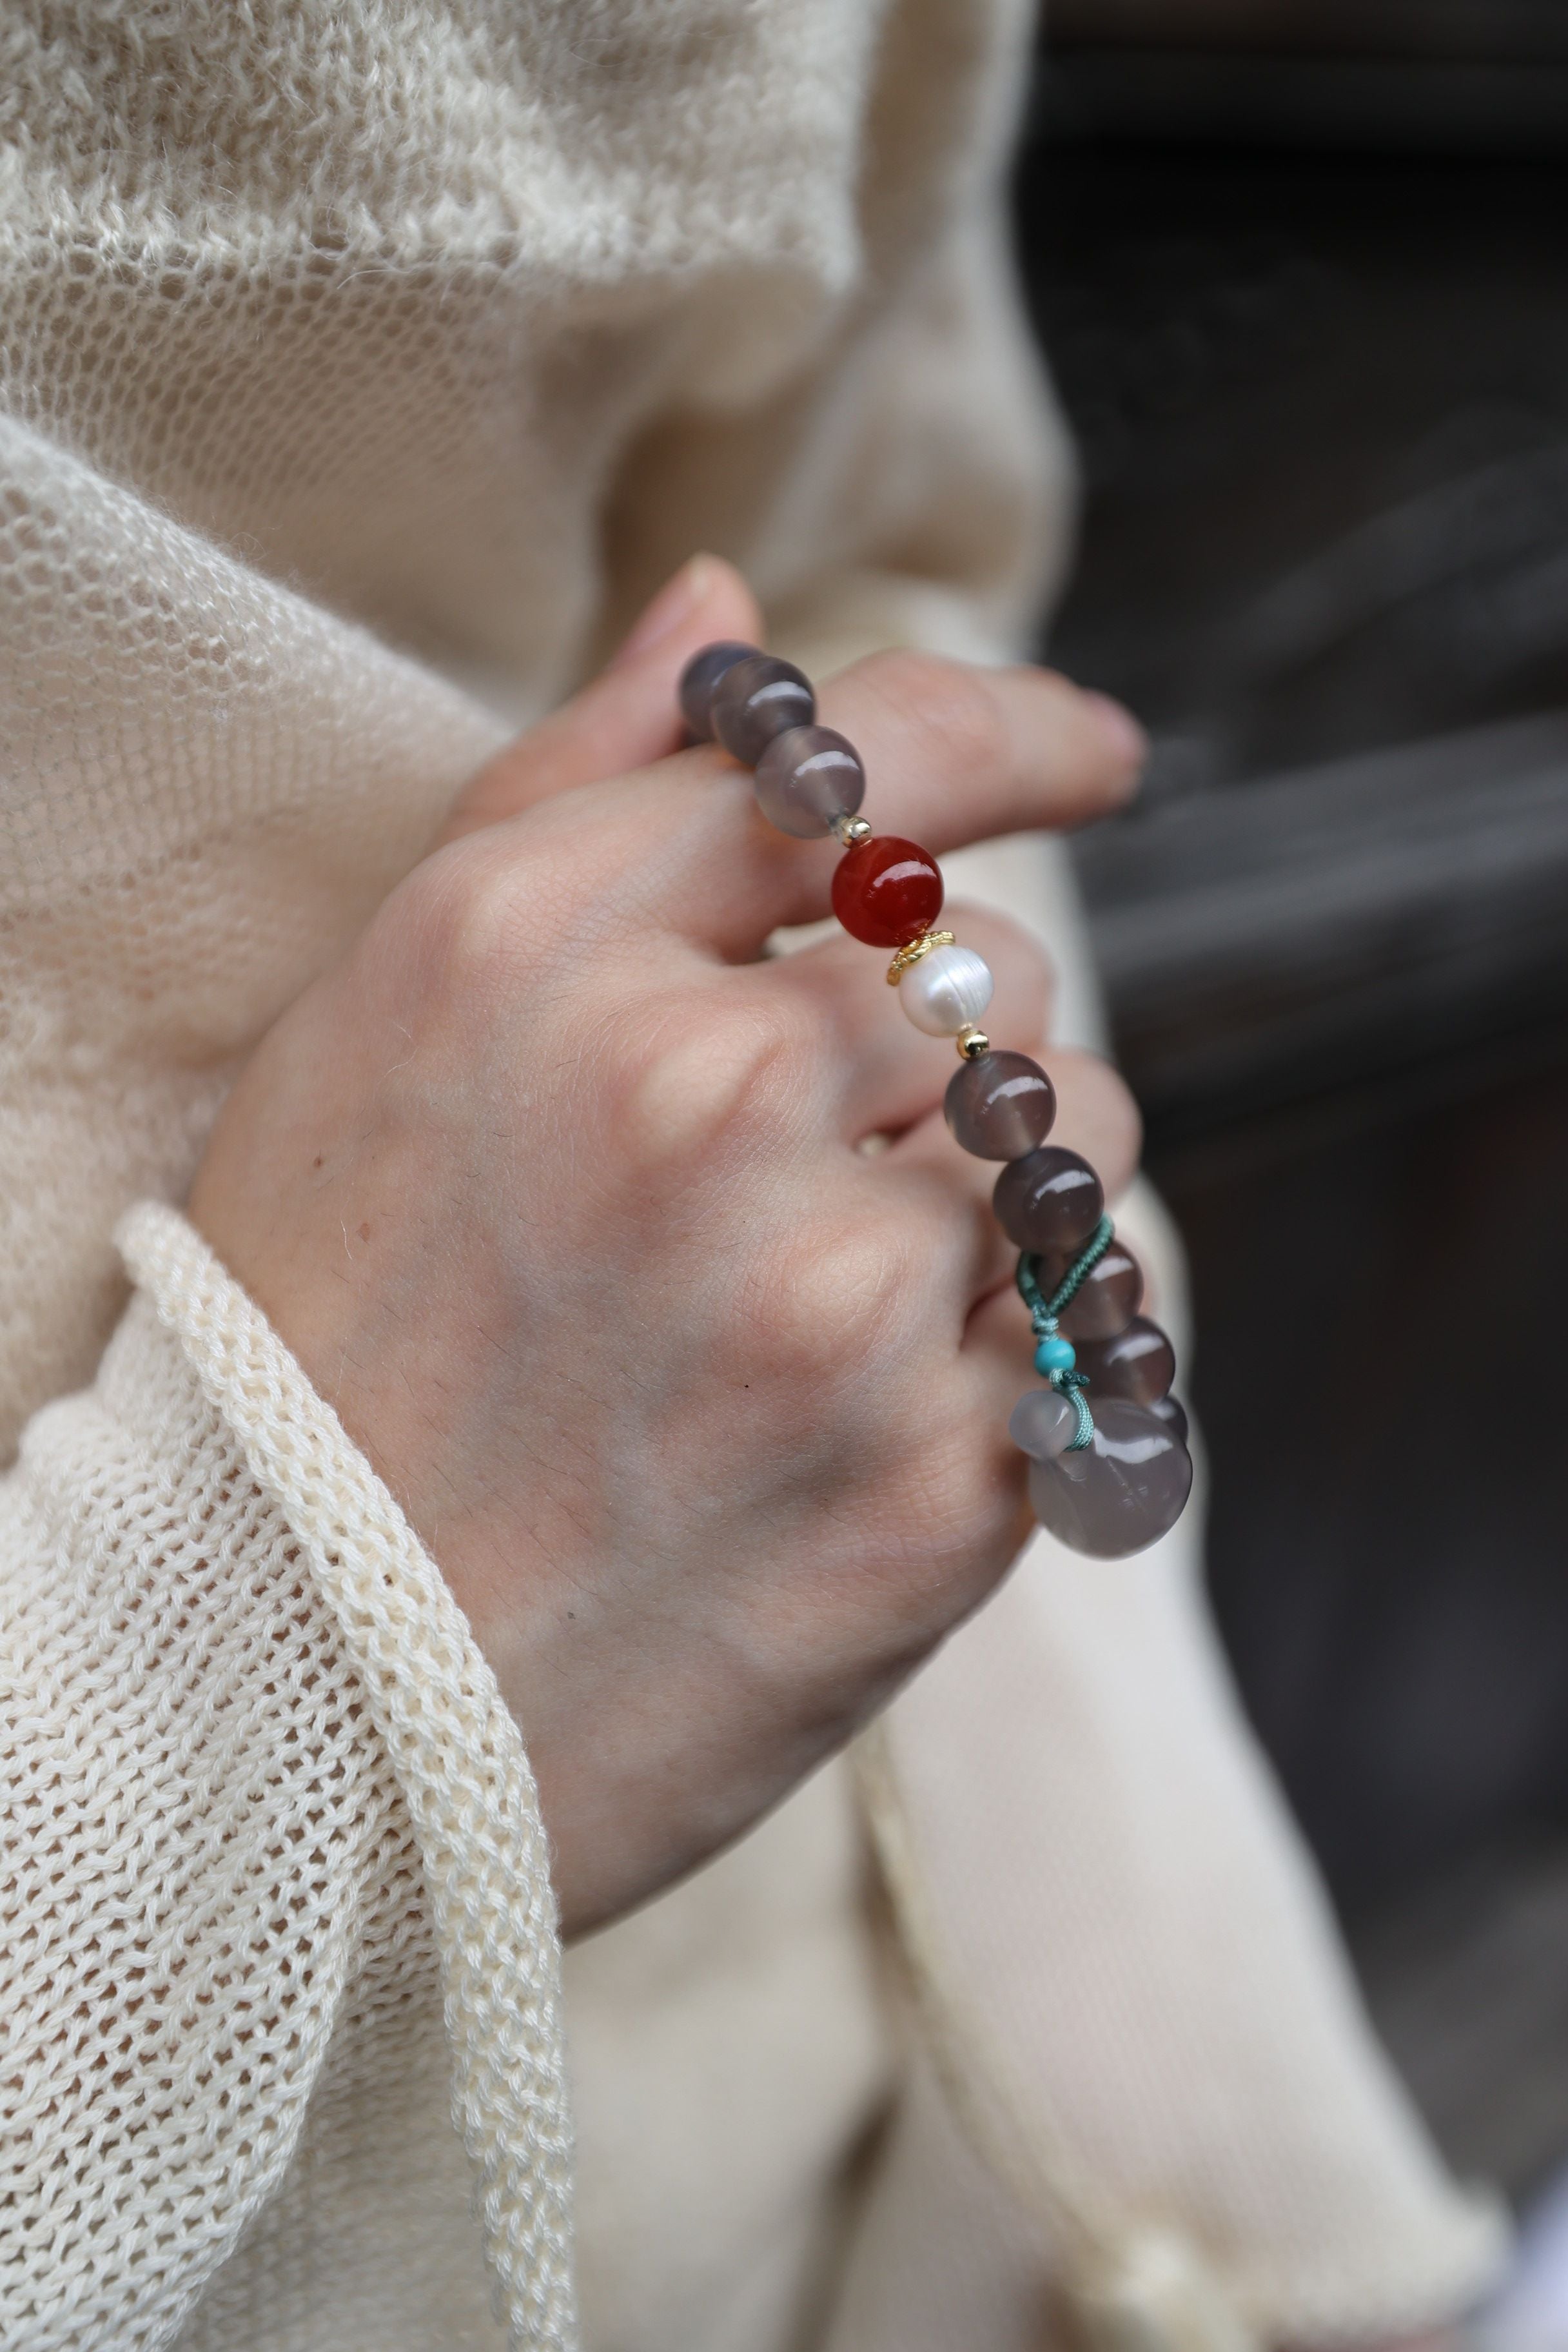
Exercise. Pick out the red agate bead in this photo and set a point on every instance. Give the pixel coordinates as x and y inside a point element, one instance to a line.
<point>887,891</point>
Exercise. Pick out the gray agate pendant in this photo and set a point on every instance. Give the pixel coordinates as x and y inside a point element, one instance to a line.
<point>1120,1491</point>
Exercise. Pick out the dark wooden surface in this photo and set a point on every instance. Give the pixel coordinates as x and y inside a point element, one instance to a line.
<point>1321,391</point>
<point>1467,1983</point>
<point>1336,937</point>
<point>1381,75</point>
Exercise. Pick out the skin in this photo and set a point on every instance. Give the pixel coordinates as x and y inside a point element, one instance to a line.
<point>553,1186</point>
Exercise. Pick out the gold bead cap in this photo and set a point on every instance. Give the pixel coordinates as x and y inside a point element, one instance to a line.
<point>908,957</point>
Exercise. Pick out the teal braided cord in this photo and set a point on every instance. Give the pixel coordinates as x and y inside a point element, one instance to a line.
<point>1044,1311</point>
<point>1083,1267</point>
<point>1072,1281</point>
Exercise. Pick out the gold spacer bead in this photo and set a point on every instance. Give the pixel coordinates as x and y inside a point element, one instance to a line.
<point>914,952</point>
<point>852,831</point>
<point>973,1044</point>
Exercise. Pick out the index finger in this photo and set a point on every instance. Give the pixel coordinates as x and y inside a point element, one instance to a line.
<point>954,754</point>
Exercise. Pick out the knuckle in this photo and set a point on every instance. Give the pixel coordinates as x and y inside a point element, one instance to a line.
<point>700,1069</point>
<point>829,1301</point>
<point>469,925</point>
<point>949,704</point>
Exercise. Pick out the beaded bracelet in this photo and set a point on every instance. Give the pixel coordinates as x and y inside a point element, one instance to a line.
<point>1107,1476</point>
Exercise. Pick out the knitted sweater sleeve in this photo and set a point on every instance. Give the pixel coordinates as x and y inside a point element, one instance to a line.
<point>249,1754</point>
<point>914,485</point>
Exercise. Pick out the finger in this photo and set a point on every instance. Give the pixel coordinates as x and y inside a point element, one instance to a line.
<point>946,1238</point>
<point>952,744</point>
<point>995,1367</point>
<point>977,1259</point>
<point>627,717</point>
<point>1096,1117</point>
<point>892,1075</point>
<point>954,754</point>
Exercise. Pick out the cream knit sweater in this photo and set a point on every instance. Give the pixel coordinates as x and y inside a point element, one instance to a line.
<point>362,364</point>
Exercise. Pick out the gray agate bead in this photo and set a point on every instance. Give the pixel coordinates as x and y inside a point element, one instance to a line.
<point>1122,1491</point>
<point>808,779</point>
<point>1050,1200</point>
<point>1043,1425</point>
<point>699,683</point>
<point>758,698</point>
<point>1138,1363</point>
<point>1106,1300</point>
<point>1000,1106</point>
<point>1172,1414</point>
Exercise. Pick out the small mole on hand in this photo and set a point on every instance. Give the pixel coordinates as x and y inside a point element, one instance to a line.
<point>317,1161</point>
<point>365,1232</point>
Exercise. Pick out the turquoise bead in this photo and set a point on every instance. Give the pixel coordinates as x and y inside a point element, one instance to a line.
<point>1055,1355</point>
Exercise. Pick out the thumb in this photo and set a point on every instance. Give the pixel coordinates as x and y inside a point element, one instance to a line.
<point>628,716</point>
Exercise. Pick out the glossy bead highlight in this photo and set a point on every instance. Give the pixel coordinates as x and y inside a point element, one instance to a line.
<point>809,779</point>
<point>1121,1491</point>
<point>1168,1410</point>
<point>1140,1364</point>
<point>1044,1424</point>
<point>887,891</point>
<point>699,683</point>
<point>947,990</point>
<point>756,699</point>
<point>1000,1106</point>
<point>1050,1201</point>
<point>1105,1301</point>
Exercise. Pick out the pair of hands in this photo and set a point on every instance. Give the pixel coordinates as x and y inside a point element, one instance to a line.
<point>553,1187</point>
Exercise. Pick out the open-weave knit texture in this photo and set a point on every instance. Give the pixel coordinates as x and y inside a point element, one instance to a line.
<point>211,1854</point>
<point>206,791</point>
<point>455,1749</point>
<point>363,364</point>
<point>391,292</point>
<point>204,1857</point>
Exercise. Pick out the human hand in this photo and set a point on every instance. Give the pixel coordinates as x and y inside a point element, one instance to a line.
<point>553,1187</point>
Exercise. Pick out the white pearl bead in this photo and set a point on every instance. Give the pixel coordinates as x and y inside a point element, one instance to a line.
<point>946,991</point>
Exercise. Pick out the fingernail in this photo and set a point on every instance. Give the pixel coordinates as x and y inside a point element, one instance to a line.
<point>674,600</point>
<point>1121,729</point>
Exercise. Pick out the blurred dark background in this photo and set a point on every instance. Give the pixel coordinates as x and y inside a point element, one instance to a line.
<point>1302,274</point>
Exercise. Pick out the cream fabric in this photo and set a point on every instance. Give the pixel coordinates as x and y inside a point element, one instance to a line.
<point>258,1778</point>
<point>1109,1952</point>
<point>361,366</point>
